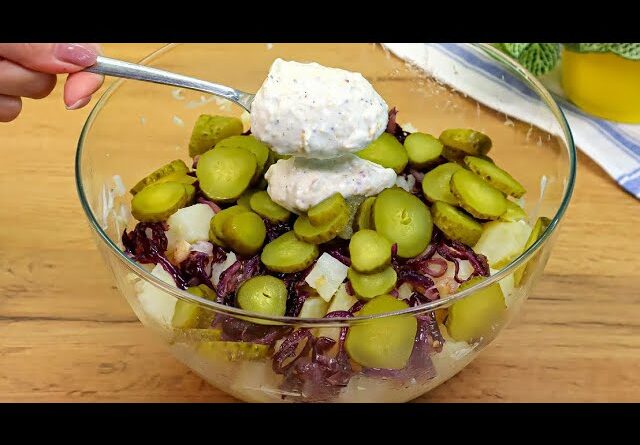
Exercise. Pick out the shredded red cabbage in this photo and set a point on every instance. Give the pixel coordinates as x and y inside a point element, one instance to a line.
<point>274,230</point>
<point>235,329</point>
<point>195,162</point>
<point>339,251</point>
<point>349,289</point>
<point>394,128</point>
<point>454,251</point>
<point>235,275</point>
<point>147,243</point>
<point>313,372</point>
<point>196,268</point>
<point>296,294</point>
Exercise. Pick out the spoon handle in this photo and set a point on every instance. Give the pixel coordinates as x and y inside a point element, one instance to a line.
<point>118,68</point>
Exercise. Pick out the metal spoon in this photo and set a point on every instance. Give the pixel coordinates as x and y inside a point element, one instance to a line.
<point>126,70</point>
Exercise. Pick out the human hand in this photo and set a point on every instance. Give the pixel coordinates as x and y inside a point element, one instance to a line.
<point>30,69</point>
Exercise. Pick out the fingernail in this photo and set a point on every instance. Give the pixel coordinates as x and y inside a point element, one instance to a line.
<point>75,54</point>
<point>79,104</point>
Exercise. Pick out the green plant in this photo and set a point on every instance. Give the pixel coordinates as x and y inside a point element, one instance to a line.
<point>540,58</point>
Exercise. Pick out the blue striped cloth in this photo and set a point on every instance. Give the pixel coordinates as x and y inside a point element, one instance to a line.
<point>613,146</point>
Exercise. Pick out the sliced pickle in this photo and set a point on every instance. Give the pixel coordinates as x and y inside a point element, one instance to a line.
<point>327,210</point>
<point>474,316</point>
<point>209,130</point>
<point>288,254</point>
<point>422,149</point>
<point>244,232</point>
<point>476,196</point>
<point>264,294</point>
<point>469,141</point>
<point>220,218</point>
<point>513,213</point>
<point>178,177</point>
<point>174,167</point>
<point>232,350</point>
<point>353,204</point>
<point>263,205</point>
<point>538,229</point>
<point>453,155</point>
<point>387,152</point>
<point>386,342</point>
<point>189,315</point>
<point>403,219</point>
<point>191,193</point>
<point>364,215</point>
<point>245,199</point>
<point>369,251</point>
<point>455,224</point>
<point>157,202</point>
<point>197,335</point>
<point>252,145</point>
<point>495,176</point>
<point>436,183</point>
<point>225,173</point>
<point>322,233</point>
<point>368,286</point>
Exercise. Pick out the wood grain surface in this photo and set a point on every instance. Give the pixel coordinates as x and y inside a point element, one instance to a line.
<point>67,335</point>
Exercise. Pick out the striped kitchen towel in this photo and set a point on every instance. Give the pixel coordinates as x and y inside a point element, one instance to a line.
<point>615,147</point>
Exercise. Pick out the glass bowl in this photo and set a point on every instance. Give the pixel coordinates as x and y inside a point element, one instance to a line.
<point>136,126</point>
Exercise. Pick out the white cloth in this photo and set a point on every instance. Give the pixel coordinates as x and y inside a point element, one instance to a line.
<point>615,147</point>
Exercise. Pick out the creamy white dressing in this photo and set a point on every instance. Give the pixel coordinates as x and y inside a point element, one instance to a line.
<point>308,110</point>
<point>300,183</point>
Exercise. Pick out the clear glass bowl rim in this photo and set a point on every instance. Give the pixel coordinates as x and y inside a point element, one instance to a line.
<point>489,50</point>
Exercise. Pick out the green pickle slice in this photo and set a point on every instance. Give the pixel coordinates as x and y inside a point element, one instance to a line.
<point>209,130</point>
<point>219,219</point>
<point>321,233</point>
<point>495,176</point>
<point>387,152</point>
<point>288,254</point>
<point>245,199</point>
<point>225,173</point>
<point>513,213</point>
<point>353,204</point>
<point>538,229</point>
<point>476,196</point>
<point>261,203</point>
<point>327,210</point>
<point>368,286</point>
<point>252,145</point>
<point>232,350</point>
<point>264,294</point>
<point>466,140</point>
<point>173,168</point>
<point>422,149</point>
<point>474,316</point>
<point>436,183</point>
<point>244,232</point>
<point>455,224</point>
<point>364,215</point>
<point>157,202</point>
<point>403,219</point>
<point>188,315</point>
<point>384,342</point>
<point>197,335</point>
<point>370,251</point>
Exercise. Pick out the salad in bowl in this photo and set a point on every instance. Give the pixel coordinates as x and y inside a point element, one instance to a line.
<point>320,248</point>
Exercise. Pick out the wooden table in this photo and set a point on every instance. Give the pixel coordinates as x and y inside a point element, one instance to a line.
<point>67,335</point>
